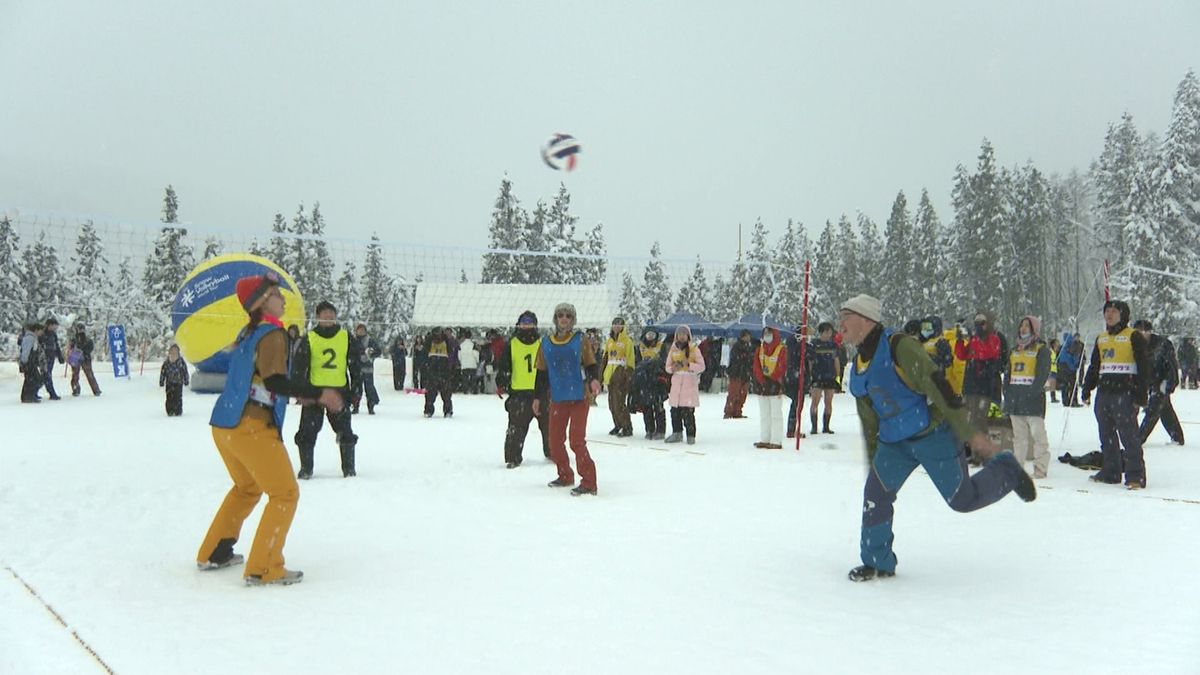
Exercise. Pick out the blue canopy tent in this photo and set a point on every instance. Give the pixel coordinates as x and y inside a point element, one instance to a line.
<point>700,327</point>
<point>755,324</point>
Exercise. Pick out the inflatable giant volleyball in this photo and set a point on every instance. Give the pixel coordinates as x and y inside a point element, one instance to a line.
<point>207,316</point>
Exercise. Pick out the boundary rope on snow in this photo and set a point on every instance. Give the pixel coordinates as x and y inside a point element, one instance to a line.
<point>58,617</point>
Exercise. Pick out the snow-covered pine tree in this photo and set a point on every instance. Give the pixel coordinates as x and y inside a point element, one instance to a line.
<point>630,304</point>
<point>504,234</point>
<point>1113,175</point>
<point>845,243</point>
<point>980,219</point>
<point>257,249</point>
<point>788,305</point>
<point>12,293</point>
<point>826,273</point>
<point>377,295</point>
<point>170,210</point>
<point>656,288</point>
<point>1031,225</point>
<point>88,282</point>
<point>718,311</point>
<point>534,268</point>
<point>561,223</point>
<point>761,277</point>
<point>597,266</point>
<point>462,276</point>
<point>898,278</point>
<point>171,259</point>
<point>42,280</point>
<point>212,248</point>
<point>299,259</point>
<point>932,268</point>
<point>694,294</point>
<point>869,261</point>
<point>280,244</point>
<point>345,294</point>
<point>318,264</point>
<point>1175,191</point>
<point>733,303</point>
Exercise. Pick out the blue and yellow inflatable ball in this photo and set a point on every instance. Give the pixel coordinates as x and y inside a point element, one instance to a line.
<point>206,315</point>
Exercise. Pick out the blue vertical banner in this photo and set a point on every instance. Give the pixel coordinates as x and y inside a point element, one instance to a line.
<point>117,350</point>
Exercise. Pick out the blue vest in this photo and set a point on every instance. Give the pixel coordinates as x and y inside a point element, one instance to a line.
<point>903,413</point>
<point>564,367</point>
<point>227,413</point>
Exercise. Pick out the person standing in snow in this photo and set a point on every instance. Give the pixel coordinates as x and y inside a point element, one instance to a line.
<point>684,363</point>
<point>910,418</point>
<point>83,345</point>
<point>51,352</point>
<point>739,371</point>
<point>1120,372</point>
<point>326,358</point>
<point>516,374</point>
<point>31,363</point>
<point>399,352</point>
<point>174,377</point>
<point>617,366</point>
<point>246,425</point>
<point>1163,381</point>
<point>770,365</point>
<point>823,367</point>
<point>569,374</point>
<point>368,351</point>
<point>1025,396</point>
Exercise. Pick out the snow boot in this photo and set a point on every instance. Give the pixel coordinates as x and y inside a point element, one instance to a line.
<point>289,577</point>
<point>614,431</point>
<point>558,482</point>
<point>222,556</point>
<point>625,432</point>
<point>867,573</point>
<point>691,440</point>
<point>348,461</point>
<point>1025,488</point>
<point>578,491</point>
<point>512,465</point>
<point>674,438</point>
<point>306,462</point>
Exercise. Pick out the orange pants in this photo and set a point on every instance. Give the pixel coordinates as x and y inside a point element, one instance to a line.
<point>736,396</point>
<point>571,414</point>
<point>257,462</point>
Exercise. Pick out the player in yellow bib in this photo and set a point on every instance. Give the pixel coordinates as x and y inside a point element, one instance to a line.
<point>617,366</point>
<point>1025,396</point>
<point>516,373</point>
<point>1119,370</point>
<point>326,357</point>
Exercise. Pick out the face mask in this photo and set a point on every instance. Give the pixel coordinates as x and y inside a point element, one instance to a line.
<point>681,343</point>
<point>768,338</point>
<point>1024,335</point>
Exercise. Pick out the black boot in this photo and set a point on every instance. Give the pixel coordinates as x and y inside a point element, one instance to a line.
<point>306,463</point>
<point>814,423</point>
<point>867,573</point>
<point>348,461</point>
<point>825,422</point>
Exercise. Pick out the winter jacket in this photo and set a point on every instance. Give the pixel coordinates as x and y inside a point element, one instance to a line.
<point>398,353</point>
<point>1165,374</point>
<point>741,355</point>
<point>1070,354</point>
<point>618,353</point>
<point>51,348</point>
<point>650,386</point>
<point>685,365</point>
<point>1023,396</point>
<point>770,384</point>
<point>822,365</point>
<point>173,373</point>
<point>983,355</point>
<point>368,351</point>
<point>438,363</point>
<point>84,344</point>
<point>468,355</point>
<point>31,354</point>
<point>1137,384</point>
<point>1187,353</point>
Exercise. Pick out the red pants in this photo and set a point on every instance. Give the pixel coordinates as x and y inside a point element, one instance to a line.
<point>735,397</point>
<point>571,414</point>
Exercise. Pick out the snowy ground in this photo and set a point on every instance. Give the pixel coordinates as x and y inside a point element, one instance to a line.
<point>437,559</point>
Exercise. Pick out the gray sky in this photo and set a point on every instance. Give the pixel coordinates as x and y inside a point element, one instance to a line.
<point>694,116</point>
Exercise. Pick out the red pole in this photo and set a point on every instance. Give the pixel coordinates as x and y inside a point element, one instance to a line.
<point>1106,298</point>
<point>803,341</point>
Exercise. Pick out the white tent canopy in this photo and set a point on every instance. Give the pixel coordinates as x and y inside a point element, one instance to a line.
<point>499,305</point>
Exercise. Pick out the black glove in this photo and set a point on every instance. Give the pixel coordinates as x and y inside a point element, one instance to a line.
<point>1087,396</point>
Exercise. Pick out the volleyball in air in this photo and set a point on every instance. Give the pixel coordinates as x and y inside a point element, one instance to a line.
<point>560,152</point>
<point>206,315</point>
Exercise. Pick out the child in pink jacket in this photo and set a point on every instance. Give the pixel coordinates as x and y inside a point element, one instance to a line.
<point>685,364</point>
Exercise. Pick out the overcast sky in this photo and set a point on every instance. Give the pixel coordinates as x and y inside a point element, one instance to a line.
<point>694,116</point>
